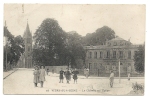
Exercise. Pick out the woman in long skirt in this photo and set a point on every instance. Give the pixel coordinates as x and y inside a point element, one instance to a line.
<point>36,76</point>
<point>42,76</point>
<point>68,75</point>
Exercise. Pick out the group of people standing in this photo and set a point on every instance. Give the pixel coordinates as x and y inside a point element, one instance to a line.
<point>39,75</point>
<point>68,74</point>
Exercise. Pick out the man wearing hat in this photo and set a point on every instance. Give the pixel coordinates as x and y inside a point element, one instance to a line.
<point>111,78</point>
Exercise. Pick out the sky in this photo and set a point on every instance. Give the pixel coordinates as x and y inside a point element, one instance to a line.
<point>128,21</point>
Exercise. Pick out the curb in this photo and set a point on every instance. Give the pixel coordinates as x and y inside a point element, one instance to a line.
<point>10,74</point>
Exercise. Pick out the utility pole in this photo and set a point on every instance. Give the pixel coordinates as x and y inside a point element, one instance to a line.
<point>6,52</point>
<point>119,70</point>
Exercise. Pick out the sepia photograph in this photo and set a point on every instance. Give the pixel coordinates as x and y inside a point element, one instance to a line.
<point>74,49</point>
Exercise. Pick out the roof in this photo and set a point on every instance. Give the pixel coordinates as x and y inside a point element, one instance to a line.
<point>27,32</point>
<point>117,38</point>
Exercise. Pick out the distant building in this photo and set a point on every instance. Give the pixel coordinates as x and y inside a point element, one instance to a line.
<point>106,57</point>
<point>28,47</point>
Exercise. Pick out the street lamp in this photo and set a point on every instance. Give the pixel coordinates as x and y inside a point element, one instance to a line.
<point>119,70</point>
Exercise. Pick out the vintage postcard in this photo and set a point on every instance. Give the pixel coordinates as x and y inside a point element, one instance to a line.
<point>81,49</point>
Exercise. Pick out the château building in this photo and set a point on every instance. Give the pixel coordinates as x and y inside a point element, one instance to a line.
<point>108,56</point>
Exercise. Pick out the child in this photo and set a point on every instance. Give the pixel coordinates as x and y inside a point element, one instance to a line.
<point>61,76</point>
<point>75,72</point>
<point>36,76</point>
<point>128,76</point>
<point>47,71</point>
<point>87,72</point>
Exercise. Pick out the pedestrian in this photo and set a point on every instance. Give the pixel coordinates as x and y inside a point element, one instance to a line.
<point>111,78</point>
<point>53,71</point>
<point>42,76</point>
<point>128,76</point>
<point>68,75</point>
<point>61,77</point>
<point>36,76</point>
<point>47,71</point>
<point>70,70</point>
<point>75,72</point>
<point>87,72</point>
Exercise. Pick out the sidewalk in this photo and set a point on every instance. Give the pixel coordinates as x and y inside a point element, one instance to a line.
<point>6,74</point>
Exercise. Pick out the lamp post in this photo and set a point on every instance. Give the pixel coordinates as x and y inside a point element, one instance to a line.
<point>119,70</point>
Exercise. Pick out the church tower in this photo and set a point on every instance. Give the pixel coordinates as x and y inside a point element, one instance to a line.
<point>28,47</point>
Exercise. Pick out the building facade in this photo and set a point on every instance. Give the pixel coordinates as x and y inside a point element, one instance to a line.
<point>28,48</point>
<point>107,57</point>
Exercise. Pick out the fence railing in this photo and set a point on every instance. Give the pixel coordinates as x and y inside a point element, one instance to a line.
<point>103,73</point>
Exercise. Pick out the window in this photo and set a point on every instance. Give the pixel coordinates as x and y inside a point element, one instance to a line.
<point>90,65</point>
<point>108,54</point>
<point>90,54</point>
<point>106,68</point>
<point>114,66</point>
<point>100,65</point>
<point>101,54</point>
<point>120,54</point>
<point>95,54</point>
<point>121,63</point>
<point>114,54</point>
<point>129,54</point>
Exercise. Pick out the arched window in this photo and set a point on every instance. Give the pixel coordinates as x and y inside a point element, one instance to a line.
<point>107,54</point>
<point>114,54</point>
<point>101,54</point>
<point>95,54</point>
<point>90,55</point>
<point>129,54</point>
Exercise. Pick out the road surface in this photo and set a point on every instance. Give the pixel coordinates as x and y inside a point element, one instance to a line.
<point>21,82</point>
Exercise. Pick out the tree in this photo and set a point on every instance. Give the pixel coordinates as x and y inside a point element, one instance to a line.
<point>13,48</point>
<point>18,47</point>
<point>99,36</point>
<point>49,44</point>
<point>76,50</point>
<point>139,59</point>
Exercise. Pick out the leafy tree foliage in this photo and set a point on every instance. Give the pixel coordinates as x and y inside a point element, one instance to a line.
<point>99,36</point>
<point>54,47</point>
<point>139,59</point>
<point>75,48</point>
<point>13,48</point>
<point>49,44</point>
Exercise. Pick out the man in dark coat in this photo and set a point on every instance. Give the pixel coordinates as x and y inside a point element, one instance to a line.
<point>61,77</point>
<point>75,72</point>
